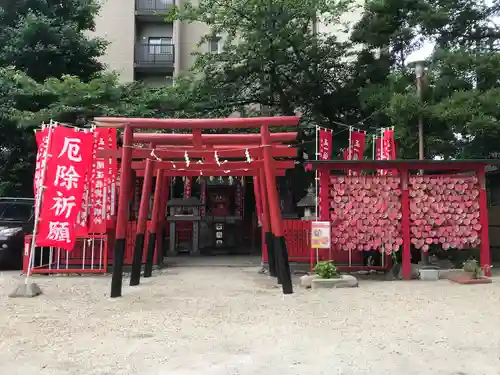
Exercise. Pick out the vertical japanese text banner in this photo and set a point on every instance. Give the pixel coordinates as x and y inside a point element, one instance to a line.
<point>390,148</point>
<point>69,161</point>
<point>98,183</point>
<point>325,152</point>
<point>242,197</point>
<point>356,148</point>
<point>325,144</point>
<point>187,187</point>
<point>82,218</point>
<point>203,197</point>
<point>381,154</point>
<point>111,177</point>
<point>42,143</point>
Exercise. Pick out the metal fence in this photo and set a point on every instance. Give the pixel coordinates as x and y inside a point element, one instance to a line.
<point>154,54</point>
<point>90,255</point>
<point>153,5</point>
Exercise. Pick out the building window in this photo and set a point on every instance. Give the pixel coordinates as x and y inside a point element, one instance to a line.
<point>215,45</point>
<point>160,45</point>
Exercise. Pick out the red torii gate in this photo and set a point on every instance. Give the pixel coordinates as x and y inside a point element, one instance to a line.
<point>262,148</point>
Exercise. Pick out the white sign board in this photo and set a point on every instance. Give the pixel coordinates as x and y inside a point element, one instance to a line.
<point>320,235</point>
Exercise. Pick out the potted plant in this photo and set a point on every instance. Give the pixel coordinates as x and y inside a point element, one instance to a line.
<point>326,270</point>
<point>327,276</point>
<point>472,268</point>
<point>473,273</point>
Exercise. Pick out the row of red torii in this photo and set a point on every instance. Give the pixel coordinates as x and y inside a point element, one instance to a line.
<point>198,154</point>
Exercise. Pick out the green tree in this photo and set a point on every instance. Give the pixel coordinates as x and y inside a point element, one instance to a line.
<point>461,81</point>
<point>47,38</point>
<point>273,58</point>
<point>39,39</point>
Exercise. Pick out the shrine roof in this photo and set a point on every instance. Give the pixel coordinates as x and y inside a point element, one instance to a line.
<point>408,164</point>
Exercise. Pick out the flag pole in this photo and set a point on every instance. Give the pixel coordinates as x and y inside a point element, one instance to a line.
<point>374,141</point>
<point>316,209</point>
<point>38,204</point>
<point>26,289</point>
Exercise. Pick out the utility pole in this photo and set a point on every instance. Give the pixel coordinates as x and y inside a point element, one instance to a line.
<point>419,75</point>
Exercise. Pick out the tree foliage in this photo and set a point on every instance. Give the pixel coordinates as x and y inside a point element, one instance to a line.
<point>48,38</point>
<point>462,76</point>
<point>275,60</point>
<point>39,39</point>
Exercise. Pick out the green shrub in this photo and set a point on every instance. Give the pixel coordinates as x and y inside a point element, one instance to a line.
<point>473,267</point>
<point>326,270</point>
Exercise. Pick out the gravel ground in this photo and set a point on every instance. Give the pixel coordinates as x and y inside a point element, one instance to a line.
<point>211,321</point>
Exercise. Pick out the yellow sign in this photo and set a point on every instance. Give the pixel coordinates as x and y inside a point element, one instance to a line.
<point>320,235</point>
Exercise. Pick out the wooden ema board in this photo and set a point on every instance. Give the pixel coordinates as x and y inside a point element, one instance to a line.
<point>366,212</point>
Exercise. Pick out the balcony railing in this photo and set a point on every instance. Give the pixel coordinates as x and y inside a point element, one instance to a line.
<point>154,55</point>
<point>153,6</point>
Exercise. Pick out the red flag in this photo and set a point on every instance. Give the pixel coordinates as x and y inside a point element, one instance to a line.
<point>385,149</point>
<point>99,182</point>
<point>203,197</point>
<point>356,148</point>
<point>389,148</point>
<point>71,155</point>
<point>42,140</point>
<point>379,155</point>
<point>187,187</point>
<point>240,199</point>
<point>111,176</point>
<point>325,152</point>
<point>325,144</point>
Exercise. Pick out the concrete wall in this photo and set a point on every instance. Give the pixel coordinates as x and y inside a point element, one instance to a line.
<point>146,30</point>
<point>116,24</point>
<point>187,36</point>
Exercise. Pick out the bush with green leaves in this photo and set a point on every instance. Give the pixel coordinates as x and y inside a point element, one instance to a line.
<point>326,270</point>
<point>473,267</point>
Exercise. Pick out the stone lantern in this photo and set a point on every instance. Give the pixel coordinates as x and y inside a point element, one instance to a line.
<point>309,204</point>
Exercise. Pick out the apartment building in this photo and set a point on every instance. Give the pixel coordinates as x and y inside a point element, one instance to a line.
<point>142,45</point>
<point>145,47</point>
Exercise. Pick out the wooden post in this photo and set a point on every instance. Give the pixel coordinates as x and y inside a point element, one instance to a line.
<point>484,251</point>
<point>266,225</point>
<point>323,195</point>
<point>135,275</point>
<point>122,215</point>
<point>405,226</point>
<point>280,250</point>
<point>148,269</point>
<point>162,227</point>
<point>258,211</point>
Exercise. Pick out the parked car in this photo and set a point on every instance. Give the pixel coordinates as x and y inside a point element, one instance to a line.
<point>16,220</point>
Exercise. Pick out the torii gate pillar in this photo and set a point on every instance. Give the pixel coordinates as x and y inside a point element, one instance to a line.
<point>279,245</point>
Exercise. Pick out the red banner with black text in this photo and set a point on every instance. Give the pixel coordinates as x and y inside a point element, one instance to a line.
<point>67,166</point>
<point>42,140</point>
<point>385,149</point>
<point>112,176</point>
<point>325,144</point>
<point>325,152</point>
<point>102,181</point>
<point>356,148</point>
<point>188,187</point>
